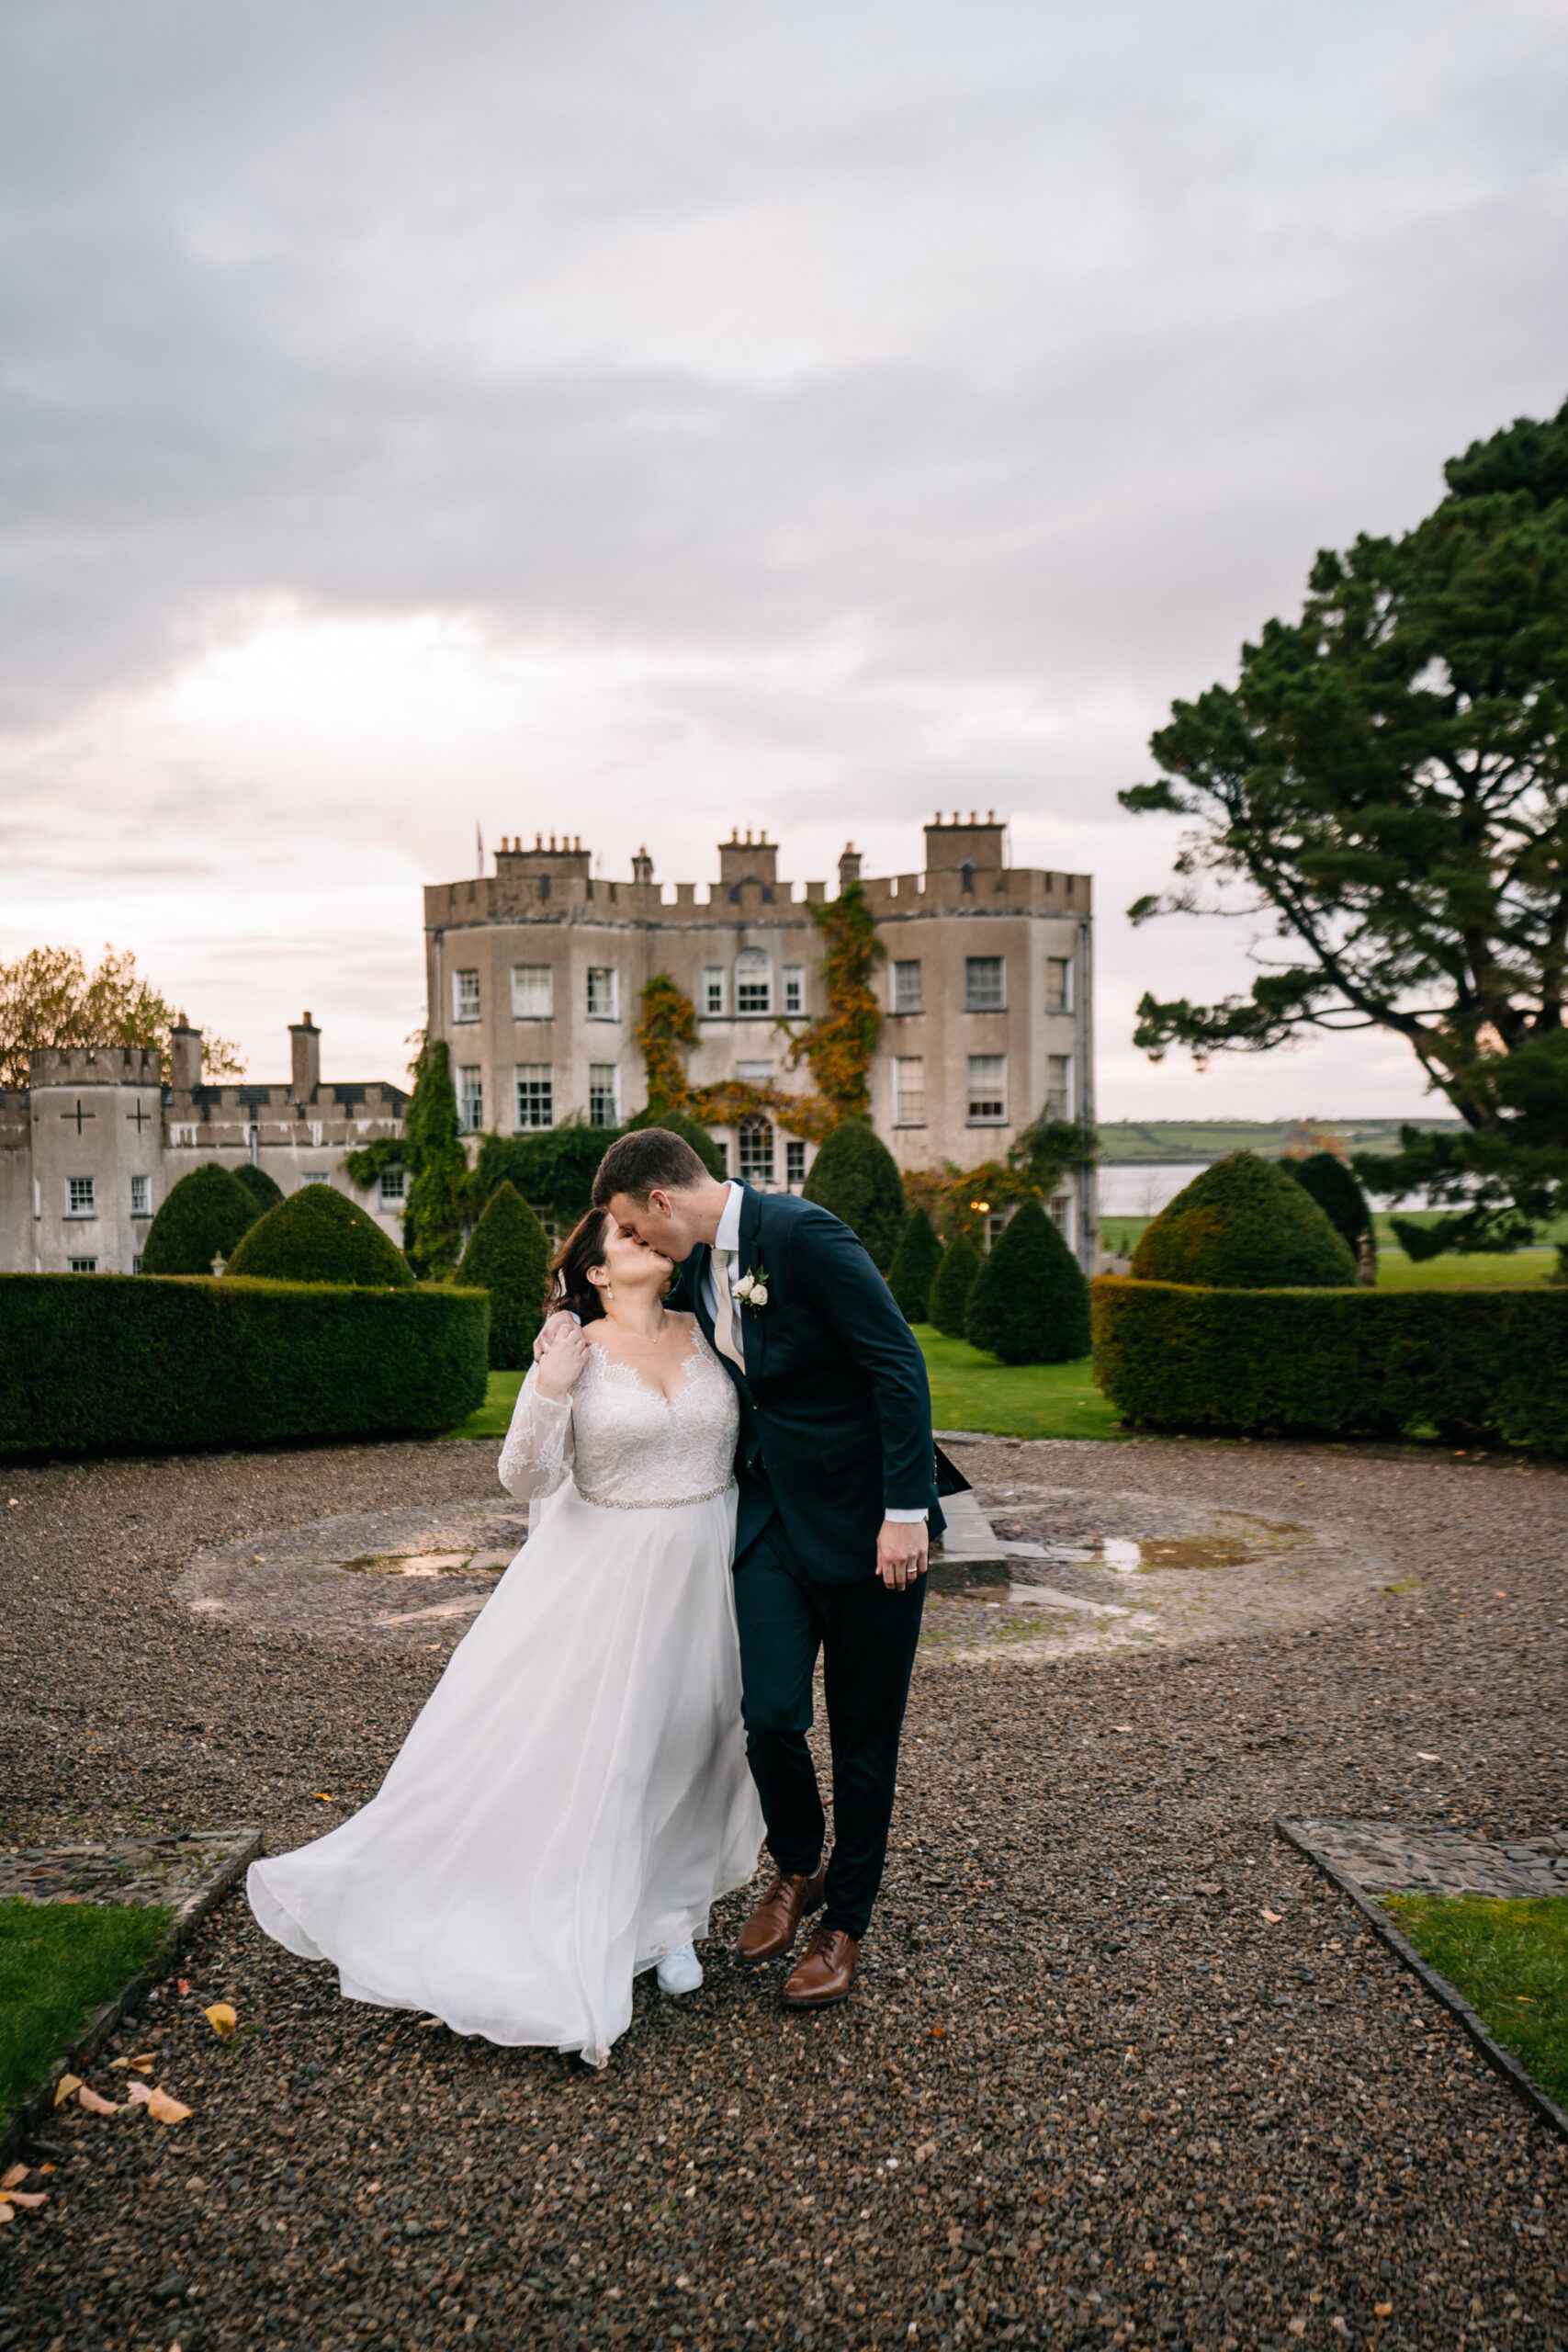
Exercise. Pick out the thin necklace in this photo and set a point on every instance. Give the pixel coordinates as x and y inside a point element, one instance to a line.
<point>646,1345</point>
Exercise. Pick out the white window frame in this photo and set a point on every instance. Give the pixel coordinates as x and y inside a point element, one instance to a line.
<point>795,1160</point>
<point>974,987</point>
<point>537,1081</point>
<point>597,1091</point>
<point>141,1196</point>
<point>536,981</point>
<point>986,1092</point>
<point>81,1198</point>
<point>751,1166</point>
<point>908,1091</point>
<point>604,993</point>
<point>713,991</point>
<point>83,1265</point>
<point>1059,1098</point>
<point>394,1188</point>
<point>794,988</point>
<point>907,993</point>
<point>465,1000</point>
<point>471,1097</point>
<point>753,976</point>
<point>1058,984</point>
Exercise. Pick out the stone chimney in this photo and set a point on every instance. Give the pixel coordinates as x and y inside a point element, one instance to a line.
<point>185,1056</point>
<point>642,867</point>
<point>848,864</point>
<point>748,860</point>
<point>975,842</point>
<point>305,1039</point>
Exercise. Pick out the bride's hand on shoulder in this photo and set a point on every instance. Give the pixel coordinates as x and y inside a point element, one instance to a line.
<point>562,1321</point>
<point>560,1367</point>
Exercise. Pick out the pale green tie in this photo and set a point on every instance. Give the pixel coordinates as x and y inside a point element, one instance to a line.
<point>724,1325</point>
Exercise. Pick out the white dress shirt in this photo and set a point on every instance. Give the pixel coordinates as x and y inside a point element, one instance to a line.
<point>728,1237</point>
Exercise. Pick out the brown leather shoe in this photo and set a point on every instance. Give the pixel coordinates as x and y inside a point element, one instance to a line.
<point>822,1975</point>
<point>775,1922</point>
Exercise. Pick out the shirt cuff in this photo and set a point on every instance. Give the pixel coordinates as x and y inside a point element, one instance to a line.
<point>905,1518</point>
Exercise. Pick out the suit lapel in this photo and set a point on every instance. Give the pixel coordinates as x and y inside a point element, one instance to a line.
<point>749,1262</point>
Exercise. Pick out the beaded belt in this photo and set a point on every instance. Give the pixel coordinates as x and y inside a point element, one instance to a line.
<point>677,1502</point>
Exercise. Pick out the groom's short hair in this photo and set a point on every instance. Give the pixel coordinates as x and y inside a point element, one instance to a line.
<point>650,1160</point>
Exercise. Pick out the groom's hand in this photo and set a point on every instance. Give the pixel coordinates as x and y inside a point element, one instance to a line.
<point>562,1321</point>
<point>902,1551</point>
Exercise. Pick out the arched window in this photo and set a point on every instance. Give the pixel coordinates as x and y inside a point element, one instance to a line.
<point>754,1135</point>
<point>753,981</point>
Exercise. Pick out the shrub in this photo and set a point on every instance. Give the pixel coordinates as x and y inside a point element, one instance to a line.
<point>202,1218</point>
<point>262,1188</point>
<point>432,1147</point>
<point>915,1261</point>
<point>948,1303</point>
<point>1469,1363</point>
<point>855,1175</point>
<point>553,1170</point>
<point>318,1236</point>
<point>123,1364</point>
<point>1242,1225</point>
<point>1030,1302</point>
<point>1336,1193</point>
<point>680,1123</point>
<point>506,1258</point>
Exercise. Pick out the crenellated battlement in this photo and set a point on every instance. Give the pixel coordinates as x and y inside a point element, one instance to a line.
<point>93,1066</point>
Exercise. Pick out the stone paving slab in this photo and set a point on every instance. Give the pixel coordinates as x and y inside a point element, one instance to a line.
<point>168,1870</point>
<point>1420,1858</point>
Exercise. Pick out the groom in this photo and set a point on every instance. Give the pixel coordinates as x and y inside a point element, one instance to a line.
<point>838,1502</point>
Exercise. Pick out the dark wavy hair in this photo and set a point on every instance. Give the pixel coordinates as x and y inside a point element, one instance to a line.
<point>582,1249</point>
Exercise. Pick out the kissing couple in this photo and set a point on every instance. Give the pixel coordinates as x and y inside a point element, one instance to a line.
<point>725,1445</point>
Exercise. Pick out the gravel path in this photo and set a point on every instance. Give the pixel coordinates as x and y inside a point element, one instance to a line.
<point>1091,2092</point>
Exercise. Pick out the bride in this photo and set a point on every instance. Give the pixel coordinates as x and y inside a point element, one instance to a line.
<point>574,1794</point>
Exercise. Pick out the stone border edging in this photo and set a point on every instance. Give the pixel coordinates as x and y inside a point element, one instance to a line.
<point>38,2105</point>
<point>1501,2061</point>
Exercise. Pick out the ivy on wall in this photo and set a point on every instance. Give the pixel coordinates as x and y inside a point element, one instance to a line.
<point>838,1048</point>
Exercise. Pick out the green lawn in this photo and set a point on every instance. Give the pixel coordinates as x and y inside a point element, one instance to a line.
<point>969,1391</point>
<point>58,1962</point>
<point>1510,1961</point>
<point>1396,1271</point>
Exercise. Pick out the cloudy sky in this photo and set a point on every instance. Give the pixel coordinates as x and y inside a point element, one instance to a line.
<point>643,416</point>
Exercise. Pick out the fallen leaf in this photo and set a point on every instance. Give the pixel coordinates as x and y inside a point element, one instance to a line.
<point>1122,1726</point>
<point>164,2110</point>
<point>138,2094</point>
<point>63,2088</point>
<point>88,2097</point>
<point>7,2214</point>
<point>221,2018</point>
<point>322,1797</point>
<point>143,2062</point>
<point>43,2168</point>
<point>31,2197</point>
<point>14,2172</point>
<point>1383,2311</point>
<point>937,2032</point>
<point>184,1983</point>
<point>1422,1757</point>
<point>1273,1917</point>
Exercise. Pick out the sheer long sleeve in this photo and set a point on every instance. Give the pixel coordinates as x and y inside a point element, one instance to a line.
<point>537,1455</point>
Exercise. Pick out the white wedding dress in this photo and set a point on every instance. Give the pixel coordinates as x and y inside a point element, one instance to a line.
<point>574,1794</point>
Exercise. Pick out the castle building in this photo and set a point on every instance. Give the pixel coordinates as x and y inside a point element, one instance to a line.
<point>90,1149</point>
<point>535,975</point>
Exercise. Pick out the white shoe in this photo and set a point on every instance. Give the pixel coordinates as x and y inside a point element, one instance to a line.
<point>679,1971</point>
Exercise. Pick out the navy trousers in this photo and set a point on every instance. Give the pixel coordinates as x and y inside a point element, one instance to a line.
<point>867,1636</point>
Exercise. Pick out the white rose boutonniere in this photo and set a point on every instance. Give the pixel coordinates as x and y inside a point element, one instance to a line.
<point>752,1289</point>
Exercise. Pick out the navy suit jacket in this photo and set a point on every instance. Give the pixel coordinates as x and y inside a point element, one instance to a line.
<point>835,1405</point>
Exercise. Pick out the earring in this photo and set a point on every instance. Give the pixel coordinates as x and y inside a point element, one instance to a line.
<point>609,1290</point>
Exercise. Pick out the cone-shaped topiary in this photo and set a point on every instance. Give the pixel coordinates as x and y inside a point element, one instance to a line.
<point>508,1253</point>
<point>1030,1302</point>
<point>432,1221</point>
<point>318,1236</point>
<point>690,1130</point>
<point>915,1262</point>
<point>260,1187</point>
<point>202,1218</point>
<point>856,1176</point>
<point>1336,1193</point>
<point>948,1302</point>
<point>1243,1225</point>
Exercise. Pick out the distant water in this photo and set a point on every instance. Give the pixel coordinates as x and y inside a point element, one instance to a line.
<point>1131,1188</point>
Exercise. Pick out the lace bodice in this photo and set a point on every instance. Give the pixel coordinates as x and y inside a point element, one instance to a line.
<point>625,1447</point>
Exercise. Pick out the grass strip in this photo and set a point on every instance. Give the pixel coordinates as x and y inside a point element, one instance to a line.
<point>969,1391</point>
<point>1510,1961</point>
<point>58,1962</point>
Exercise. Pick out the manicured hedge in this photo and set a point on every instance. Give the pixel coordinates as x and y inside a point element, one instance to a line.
<point>508,1258</point>
<point>1472,1364</point>
<point>318,1236</point>
<point>201,1218</point>
<point>94,1363</point>
<point>857,1177</point>
<point>1028,1302</point>
<point>1243,1225</point>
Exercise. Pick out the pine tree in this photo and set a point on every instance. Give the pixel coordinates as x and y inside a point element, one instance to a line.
<point>915,1262</point>
<point>948,1302</point>
<point>508,1255</point>
<point>856,1176</point>
<point>203,1217</point>
<point>1030,1302</point>
<point>432,1224</point>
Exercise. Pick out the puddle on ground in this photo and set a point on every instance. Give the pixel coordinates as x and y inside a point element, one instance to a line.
<point>1172,1552</point>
